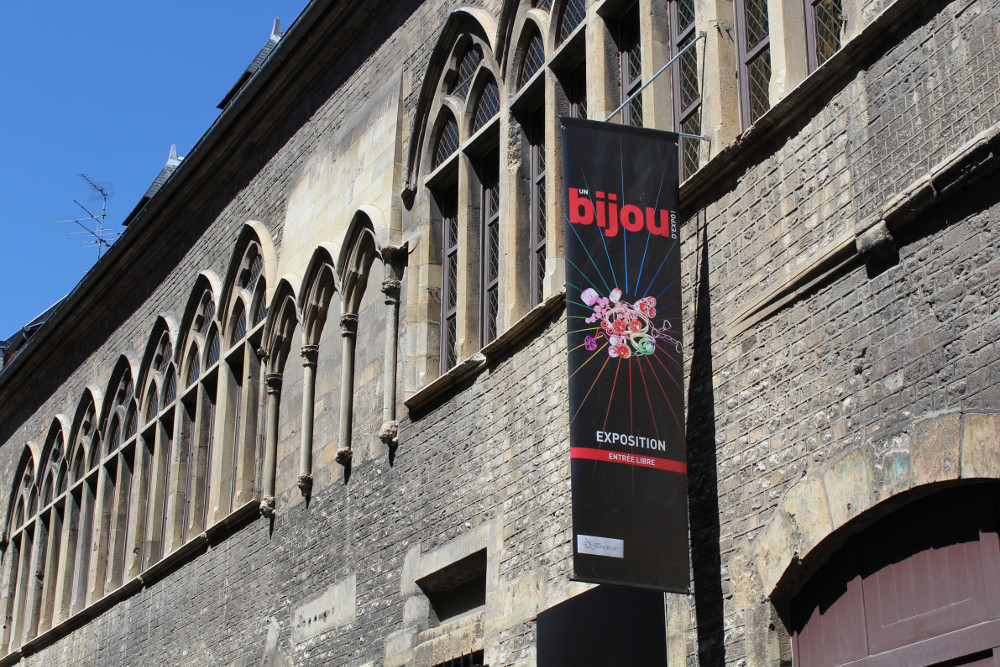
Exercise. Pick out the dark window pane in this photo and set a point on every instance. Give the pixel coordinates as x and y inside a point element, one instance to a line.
<point>572,15</point>
<point>447,141</point>
<point>452,272</point>
<point>129,423</point>
<point>829,21</point>
<point>194,370</point>
<point>576,91</point>
<point>170,388</point>
<point>260,312</point>
<point>687,65</point>
<point>534,58</point>
<point>685,14</point>
<point>690,146</point>
<point>493,305</point>
<point>493,268</point>
<point>543,4</point>
<point>759,80</point>
<point>756,22</point>
<point>451,347</point>
<point>213,349</point>
<point>539,285</point>
<point>631,67</point>
<point>487,105</point>
<point>466,69</point>
<point>239,325</point>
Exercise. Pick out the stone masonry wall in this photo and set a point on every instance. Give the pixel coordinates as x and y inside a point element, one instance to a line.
<point>853,362</point>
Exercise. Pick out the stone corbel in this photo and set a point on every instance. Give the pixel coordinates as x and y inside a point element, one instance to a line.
<point>877,247</point>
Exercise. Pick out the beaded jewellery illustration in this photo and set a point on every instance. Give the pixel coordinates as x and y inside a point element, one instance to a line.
<point>629,327</point>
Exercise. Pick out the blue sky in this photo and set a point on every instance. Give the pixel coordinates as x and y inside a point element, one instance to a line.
<point>103,88</point>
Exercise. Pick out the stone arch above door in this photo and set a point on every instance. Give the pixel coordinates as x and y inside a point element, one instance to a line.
<point>853,490</point>
<point>920,586</point>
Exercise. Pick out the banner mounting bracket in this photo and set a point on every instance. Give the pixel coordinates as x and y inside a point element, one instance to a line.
<point>701,35</point>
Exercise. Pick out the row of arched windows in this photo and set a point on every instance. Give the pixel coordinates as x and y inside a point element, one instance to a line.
<point>484,152</point>
<point>490,189</point>
<point>171,447</point>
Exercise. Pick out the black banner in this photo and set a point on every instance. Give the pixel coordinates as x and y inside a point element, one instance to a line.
<point>626,402</point>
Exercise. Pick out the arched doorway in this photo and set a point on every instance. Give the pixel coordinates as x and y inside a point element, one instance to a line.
<point>920,586</point>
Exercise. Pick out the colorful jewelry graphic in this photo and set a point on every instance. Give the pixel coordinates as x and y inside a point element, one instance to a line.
<point>629,328</point>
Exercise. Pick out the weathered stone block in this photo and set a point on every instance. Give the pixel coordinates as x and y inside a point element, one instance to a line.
<point>848,487</point>
<point>935,453</point>
<point>981,446</point>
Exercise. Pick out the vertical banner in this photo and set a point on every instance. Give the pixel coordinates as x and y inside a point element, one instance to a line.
<point>626,402</point>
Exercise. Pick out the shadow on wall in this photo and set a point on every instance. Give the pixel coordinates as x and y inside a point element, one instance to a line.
<point>703,483</point>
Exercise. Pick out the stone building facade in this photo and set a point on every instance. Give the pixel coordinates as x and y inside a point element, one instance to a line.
<point>311,407</point>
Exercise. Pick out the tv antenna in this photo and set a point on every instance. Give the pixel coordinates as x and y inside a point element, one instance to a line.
<point>98,236</point>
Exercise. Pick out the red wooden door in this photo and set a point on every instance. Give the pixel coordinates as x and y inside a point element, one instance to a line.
<point>919,587</point>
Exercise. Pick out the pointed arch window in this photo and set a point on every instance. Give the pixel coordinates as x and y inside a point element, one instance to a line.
<point>447,142</point>
<point>487,105</point>
<point>193,366</point>
<point>239,324</point>
<point>533,59</point>
<point>212,348</point>
<point>467,65</point>
<point>170,386</point>
<point>572,15</point>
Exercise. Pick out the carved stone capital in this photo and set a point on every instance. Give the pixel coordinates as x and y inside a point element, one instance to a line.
<point>349,324</point>
<point>262,355</point>
<point>391,290</point>
<point>274,383</point>
<point>344,456</point>
<point>305,484</point>
<point>267,507</point>
<point>309,355</point>
<point>389,434</point>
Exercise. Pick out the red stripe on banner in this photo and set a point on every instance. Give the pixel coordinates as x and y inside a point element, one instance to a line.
<point>641,460</point>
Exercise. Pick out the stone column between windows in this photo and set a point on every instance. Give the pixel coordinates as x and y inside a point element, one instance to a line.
<point>245,448</point>
<point>9,579</point>
<point>348,333</point>
<point>786,22</point>
<point>654,40</point>
<point>67,558</point>
<point>602,67</point>
<point>467,280</point>
<point>51,572</point>
<point>271,443</point>
<point>136,516</point>
<point>309,355</point>
<point>34,602</point>
<point>392,258</point>
<point>154,539</point>
<point>20,590</point>
<point>99,542</point>
<point>717,62</point>
<point>555,265</point>
<point>511,284</point>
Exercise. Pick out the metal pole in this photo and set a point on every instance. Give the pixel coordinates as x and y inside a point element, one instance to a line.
<point>701,35</point>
